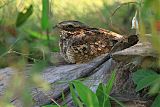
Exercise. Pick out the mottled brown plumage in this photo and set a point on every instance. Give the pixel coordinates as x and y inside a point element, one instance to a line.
<point>80,43</point>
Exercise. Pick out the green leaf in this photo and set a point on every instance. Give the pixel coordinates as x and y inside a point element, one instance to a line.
<point>156,102</point>
<point>104,91</point>
<point>27,98</point>
<point>88,97</point>
<point>22,17</point>
<point>145,82</point>
<point>147,3</point>
<point>45,11</point>
<point>37,35</point>
<point>100,92</point>
<point>109,86</point>
<point>144,78</point>
<point>142,73</point>
<point>155,88</point>
<point>3,49</point>
<point>110,83</point>
<point>63,98</point>
<point>118,102</point>
<point>76,101</point>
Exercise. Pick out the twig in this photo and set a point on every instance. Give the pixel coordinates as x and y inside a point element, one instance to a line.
<point>25,55</point>
<point>14,44</point>
<point>4,54</point>
<point>55,102</point>
<point>121,6</point>
<point>110,18</point>
<point>10,48</point>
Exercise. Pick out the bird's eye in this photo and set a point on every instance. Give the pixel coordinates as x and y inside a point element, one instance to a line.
<point>70,26</point>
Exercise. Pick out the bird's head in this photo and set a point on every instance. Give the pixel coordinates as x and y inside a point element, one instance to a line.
<point>70,25</point>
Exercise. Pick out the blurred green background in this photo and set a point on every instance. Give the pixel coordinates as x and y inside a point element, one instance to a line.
<point>22,36</point>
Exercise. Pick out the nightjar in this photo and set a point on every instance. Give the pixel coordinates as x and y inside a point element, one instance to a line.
<point>80,43</point>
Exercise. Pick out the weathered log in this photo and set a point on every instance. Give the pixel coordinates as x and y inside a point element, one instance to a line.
<point>96,71</point>
<point>56,74</point>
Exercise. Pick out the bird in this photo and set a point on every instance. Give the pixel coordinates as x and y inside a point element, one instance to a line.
<point>80,43</point>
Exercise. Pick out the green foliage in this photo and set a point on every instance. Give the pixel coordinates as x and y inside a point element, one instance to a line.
<point>37,31</point>
<point>154,7</point>
<point>36,79</point>
<point>156,102</point>
<point>102,96</point>
<point>37,35</point>
<point>108,88</point>
<point>22,17</point>
<point>104,91</point>
<point>27,98</point>
<point>75,99</point>
<point>88,97</point>
<point>142,73</point>
<point>144,78</point>
<point>148,78</point>
<point>99,99</point>
<point>110,83</point>
<point>38,67</point>
<point>151,10</point>
<point>45,10</point>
